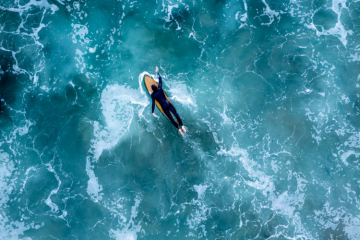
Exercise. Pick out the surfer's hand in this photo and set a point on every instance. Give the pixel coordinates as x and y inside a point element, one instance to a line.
<point>155,115</point>
<point>156,69</point>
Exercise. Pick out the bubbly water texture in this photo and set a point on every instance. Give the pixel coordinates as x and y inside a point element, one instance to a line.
<point>268,89</point>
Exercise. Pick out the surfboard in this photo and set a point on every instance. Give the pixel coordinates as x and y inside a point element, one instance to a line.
<point>148,82</point>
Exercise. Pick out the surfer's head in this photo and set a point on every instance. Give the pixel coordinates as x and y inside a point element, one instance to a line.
<point>154,88</point>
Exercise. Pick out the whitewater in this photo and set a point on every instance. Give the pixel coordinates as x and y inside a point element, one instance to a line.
<point>269,91</point>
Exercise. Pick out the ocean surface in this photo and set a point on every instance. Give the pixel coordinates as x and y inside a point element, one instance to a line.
<point>269,91</point>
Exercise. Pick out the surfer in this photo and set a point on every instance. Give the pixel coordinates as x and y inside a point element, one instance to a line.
<point>158,94</point>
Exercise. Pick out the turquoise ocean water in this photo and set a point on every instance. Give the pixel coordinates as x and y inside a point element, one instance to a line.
<point>268,89</point>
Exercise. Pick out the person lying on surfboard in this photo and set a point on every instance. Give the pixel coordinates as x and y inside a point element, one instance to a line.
<point>158,94</point>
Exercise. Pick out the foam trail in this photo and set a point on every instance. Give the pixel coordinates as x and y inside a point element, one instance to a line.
<point>118,110</point>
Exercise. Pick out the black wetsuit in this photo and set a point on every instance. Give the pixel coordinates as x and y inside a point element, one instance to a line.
<point>165,104</point>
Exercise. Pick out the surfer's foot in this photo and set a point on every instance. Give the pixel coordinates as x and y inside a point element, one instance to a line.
<point>183,128</point>
<point>180,131</point>
<point>156,69</point>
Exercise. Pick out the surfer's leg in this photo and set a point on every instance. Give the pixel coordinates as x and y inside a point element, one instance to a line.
<point>167,113</point>
<point>172,109</point>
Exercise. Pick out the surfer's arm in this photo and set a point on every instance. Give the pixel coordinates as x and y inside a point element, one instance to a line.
<point>160,81</point>
<point>153,104</point>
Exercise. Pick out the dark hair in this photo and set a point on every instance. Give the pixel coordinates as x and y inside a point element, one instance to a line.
<point>154,88</point>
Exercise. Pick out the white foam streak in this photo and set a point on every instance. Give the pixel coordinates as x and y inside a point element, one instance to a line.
<point>21,9</point>
<point>80,60</point>
<point>6,168</point>
<point>271,13</point>
<point>80,31</point>
<point>330,218</point>
<point>226,119</point>
<point>9,229</point>
<point>338,30</point>
<point>200,211</point>
<point>60,1</point>
<point>179,91</point>
<point>53,206</point>
<point>40,3</point>
<point>130,230</point>
<point>285,203</point>
<point>169,17</point>
<point>200,189</point>
<point>353,141</point>
<point>347,154</point>
<point>27,177</point>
